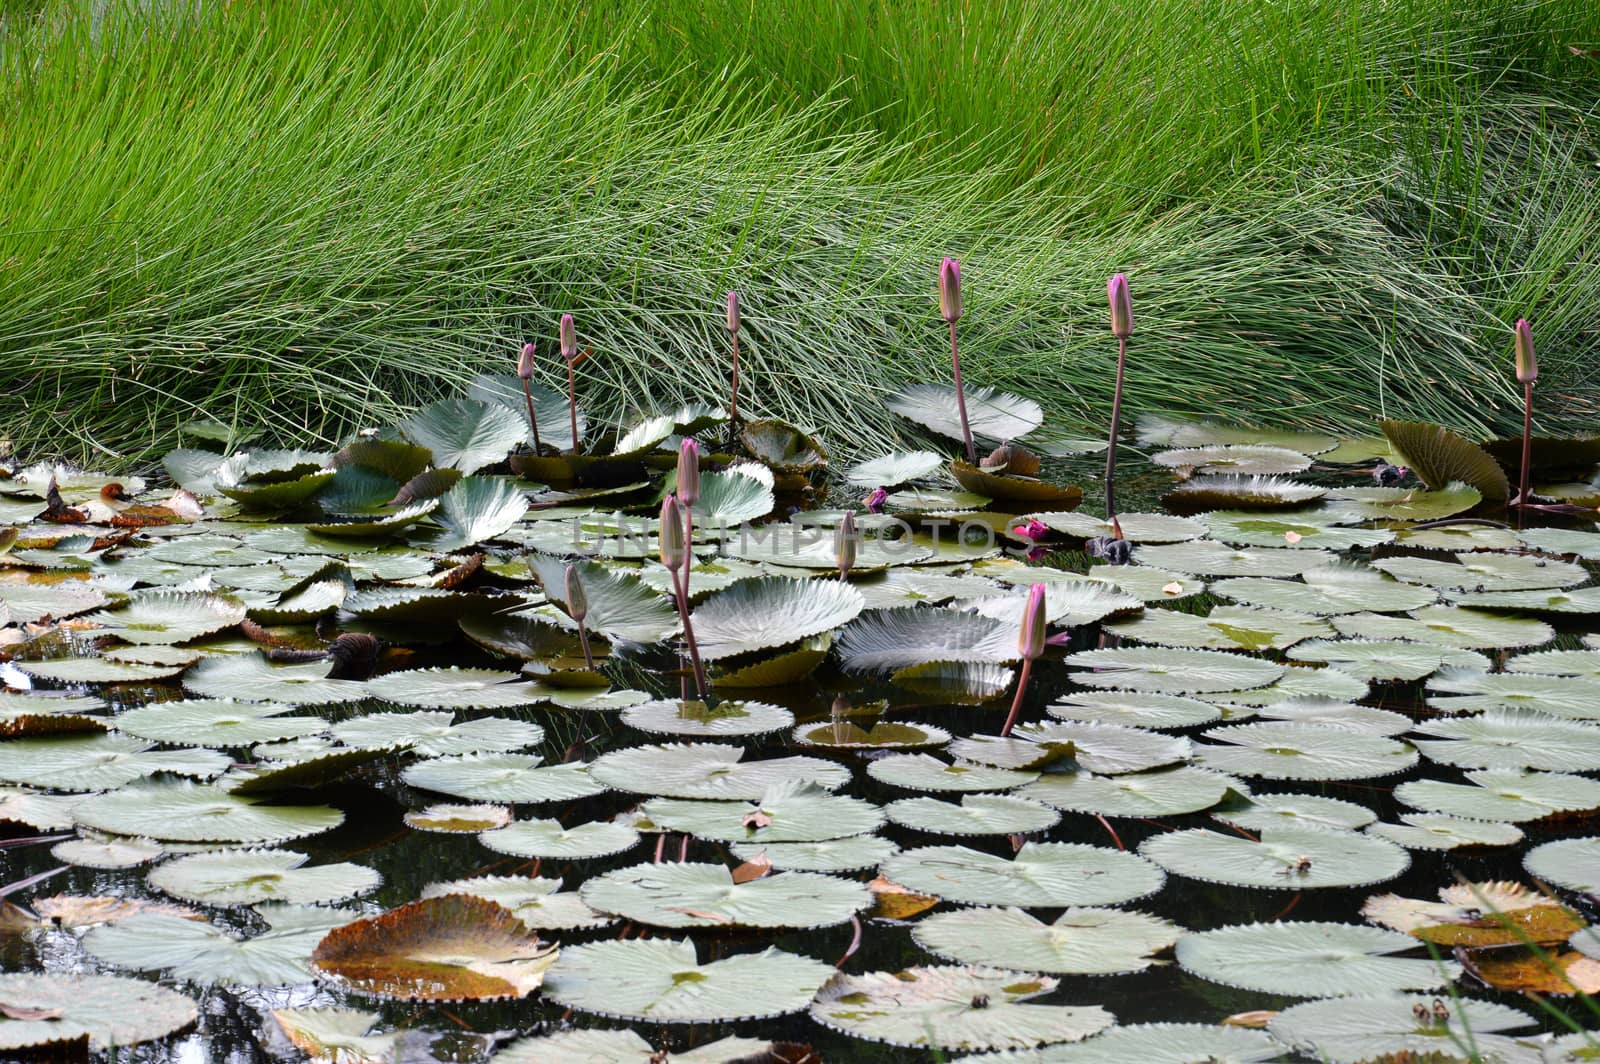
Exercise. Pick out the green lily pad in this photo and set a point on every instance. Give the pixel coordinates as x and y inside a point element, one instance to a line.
<point>547,838</point>
<point>164,616</point>
<point>933,1008</point>
<point>1042,874</point>
<point>992,415</point>
<point>1332,589</point>
<point>849,854</point>
<point>1512,738</point>
<point>475,510</point>
<point>1440,457</point>
<point>1450,626</point>
<point>1287,857</point>
<point>503,778</point>
<point>1385,659</point>
<point>894,469</point>
<point>1224,628</point>
<point>1432,831</point>
<point>771,612</point>
<point>1573,864</point>
<point>661,981</point>
<point>252,678</point>
<point>1350,1030</point>
<point>1210,558</point>
<point>1164,792</point>
<point>1078,942</point>
<point>110,1011</point>
<point>1472,690</point>
<point>1503,794</point>
<point>189,812</point>
<point>786,812</point>
<point>923,772</point>
<point>708,770</point>
<point>216,722</point>
<point>246,877</point>
<point>1300,529</point>
<point>1169,671</point>
<point>465,434</point>
<point>886,640</point>
<point>1305,959</point>
<point>1103,748</point>
<point>539,903</point>
<point>977,814</point>
<point>1260,811</point>
<point>107,851</point>
<point>1485,572</point>
<point>1164,1043</point>
<point>1291,751</point>
<point>706,895</point>
<point>98,762</point>
<point>1134,709</point>
<point>436,734</point>
<point>455,688</point>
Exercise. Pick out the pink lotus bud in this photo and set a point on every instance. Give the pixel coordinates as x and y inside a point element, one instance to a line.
<point>875,500</point>
<point>1031,638</point>
<point>577,600</point>
<point>844,544</point>
<point>569,338</point>
<point>674,540</point>
<point>1527,361</point>
<point>689,472</point>
<point>733,312</point>
<point>950,290</point>
<point>525,362</point>
<point>1121,306</point>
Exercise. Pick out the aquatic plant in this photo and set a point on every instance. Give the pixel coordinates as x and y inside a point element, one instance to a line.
<point>1527,369</point>
<point>569,354</point>
<point>950,311</point>
<point>525,364</point>
<point>677,555</point>
<point>1030,646</point>
<point>1122,328</point>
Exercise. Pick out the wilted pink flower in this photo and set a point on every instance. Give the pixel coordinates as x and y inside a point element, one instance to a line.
<point>1032,529</point>
<point>875,500</point>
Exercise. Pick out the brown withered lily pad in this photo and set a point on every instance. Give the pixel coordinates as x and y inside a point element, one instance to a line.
<point>1476,915</point>
<point>451,948</point>
<point>1009,488</point>
<point>1563,972</point>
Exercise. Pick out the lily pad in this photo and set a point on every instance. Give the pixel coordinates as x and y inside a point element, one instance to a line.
<point>1573,864</point>
<point>435,734</point>
<point>886,640</point>
<point>1078,942</point>
<point>1512,738</point>
<point>475,510</point>
<point>1305,959</point>
<point>1433,831</point>
<point>1210,558</point>
<point>1484,572</point>
<point>466,434</point>
<point>165,616</point>
<point>107,1010</point>
<point>503,778</point>
<point>786,812</point>
<point>1355,1029</point>
<point>923,772</point>
<point>1172,671</point>
<point>1292,751</point>
<point>992,415</point>
<point>1103,748</point>
<point>201,953</point>
<point>1439,456</point>
<point>540,904</point>
<point>1135,709</point>
<point>770,612</point>
<point>1332,589</point>
<point>977,814</point>
<point>455,688</point>
<point>547,838</point>
<point>1041,874</point>
<point>1224,628</point>
<point>107,851</point>
<point>1503,795</point>
<point>1164,1043</point>
<point>1261,811</point>
<point>827,855</point>
<point>216,722</point>
<point>246,877</point>
<point>707,895</point>
<point>708,770</point>
<point>1164,792</point>
<point>1450,626</point>
<point>252,678</point>
<point>98,762</point>
<point>894,469</point>
<point>1286,858</point>
<point>449,818</point>
<point>1385,659</point>
<point>189,812</point>
<point>457,947</point>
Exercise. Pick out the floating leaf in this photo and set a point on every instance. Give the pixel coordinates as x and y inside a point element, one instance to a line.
<point>894,469</point>
<point>1172,671</point>
<point>1573,864</point>
<point>216,722</point>
<point>708,770</point>
<point>786,812</point>
<point>1563,541</point>
<point>1438,457</point>
<point>784,447</point>
<point>1079,942</point>
<point>1450,626</point>
<point>1512,738</point>
<point>1224,628</point>
<point>1103,748</point>
<point>1503,794</point>
<point>108,1010</point>
<point>1014,490</point>
<point>547,838</point>
<point>706,895</point>
<point>456,688</point>
<point>1485,572</point>
<point>1385,659</point>
<point>695,718</point>
<point>457,947</point>
<point>1239,492</point>
<point>1287,857</point>
<point>1233,458</point>
<point>107,851</point>
<point>827,855</point>
<point>661,981</point>
<point>252,678</point>
<point>922,772</point>
<point>164,616</point>
<point>1405,504</point>
<point>465,434</point>
<point>1432,831</point>
<point>246,877</point>
<point>205,954</point>
<point>1165,792</point>
<point>435,734</point>
<point>336,1036</point>
<point>1041,874</point>
<point>1580,600</point>
<point>188,812</point>
<point>1305,959</point>
<point>1137,709</point>
<point>1166,1043</point>
<point>97,762</point>
<point>449,818</point>
<point>1352,1030</point>
<point>886,640</point>
<point>503,778</point>
<point>1291,751</point>
<point>1476,915</point>
<point>991,415</point>
<point>1331,589</point>
<point>1300,529</point>
<point>475,510</point>
<point>977,814</point>
<point>770,612</point>
<point>539,903</point>
<point>621,607</point>
<point>1261,811</point>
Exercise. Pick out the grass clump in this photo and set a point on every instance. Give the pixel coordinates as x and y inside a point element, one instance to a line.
<point>305,219</point>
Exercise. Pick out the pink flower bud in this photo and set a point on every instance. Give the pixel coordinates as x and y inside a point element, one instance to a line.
<point>525,362</point>
<point>950,290</point>
<point>689,472</point>
<point>1527,360</point>
<point>1121,306</point>
<point>875,500</point>
<point>569,338</point>
<point>733,312</point>
<point>577,600</point>
<point>844,544</point>
<point>1031,638</point>
<point>674,540</point>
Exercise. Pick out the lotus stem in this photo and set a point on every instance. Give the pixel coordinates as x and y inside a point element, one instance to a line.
<point>950,310</point>
<point>1526,362</point>
<point>572,403</point>
<point>1122,328</point>
<point>569,352</point>
<point>700,686</point>
<point>525,374</point>
<point>733,331</point>
<point>676,556</point>
<point>578,607</point>
<point>1031,641</point>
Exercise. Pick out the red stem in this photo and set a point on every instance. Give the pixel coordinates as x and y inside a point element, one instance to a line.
<point>1527,448</point>
<point>688,635</point>
<point>1016,702</point>
<point>1116,418</point>
<point>583,639</point>
<point>733,406</point>
<point>961,397</point>
<point>855,943</point>
<point>533,420</point>
<point>572,401</point>
<point>1110,831</point>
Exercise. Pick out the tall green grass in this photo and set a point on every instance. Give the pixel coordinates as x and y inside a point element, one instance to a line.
<point>305,218</point>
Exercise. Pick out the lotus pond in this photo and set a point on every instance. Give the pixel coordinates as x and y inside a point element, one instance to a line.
<point>398,752</point>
